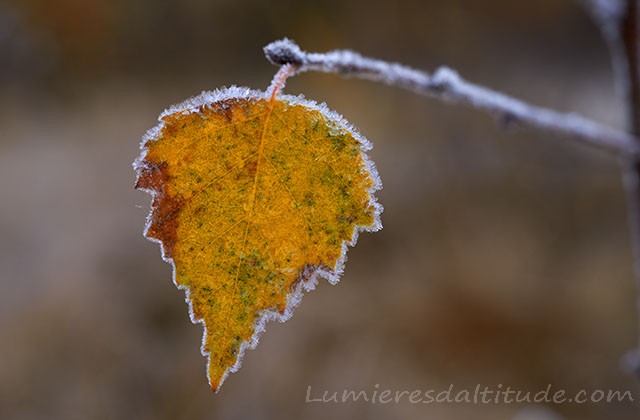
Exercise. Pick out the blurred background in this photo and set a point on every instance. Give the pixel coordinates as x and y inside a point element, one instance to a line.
<point>504,257</point>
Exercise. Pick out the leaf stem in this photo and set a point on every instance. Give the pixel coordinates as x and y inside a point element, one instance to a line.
<point>445,84</point>
<point>280,79</point>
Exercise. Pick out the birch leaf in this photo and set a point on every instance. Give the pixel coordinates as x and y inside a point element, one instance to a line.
<point>253,198</point>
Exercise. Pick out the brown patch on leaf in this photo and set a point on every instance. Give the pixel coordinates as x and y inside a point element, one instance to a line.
<point>307,272</point>
<point>163,222</point>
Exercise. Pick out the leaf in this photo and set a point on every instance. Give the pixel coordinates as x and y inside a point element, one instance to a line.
<point>253,197</point>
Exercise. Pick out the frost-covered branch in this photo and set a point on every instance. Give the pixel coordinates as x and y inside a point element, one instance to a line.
<point>447,85</point>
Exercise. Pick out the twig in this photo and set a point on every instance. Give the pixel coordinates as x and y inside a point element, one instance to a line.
<point>630,65</point>
<point>447,85</point>
<point>629,35</point>
<point>618,21</point>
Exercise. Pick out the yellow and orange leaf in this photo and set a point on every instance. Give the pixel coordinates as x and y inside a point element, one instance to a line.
<point>253,197</point>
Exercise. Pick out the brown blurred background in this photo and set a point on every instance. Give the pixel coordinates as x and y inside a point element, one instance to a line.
<point>504,257</point>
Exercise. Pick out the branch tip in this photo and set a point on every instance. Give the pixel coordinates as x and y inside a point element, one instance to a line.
<point>284,51</point>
